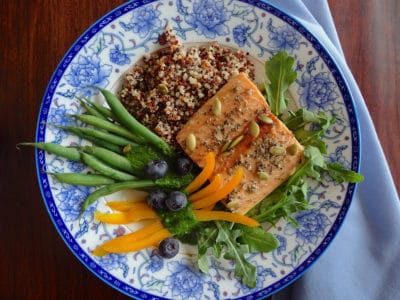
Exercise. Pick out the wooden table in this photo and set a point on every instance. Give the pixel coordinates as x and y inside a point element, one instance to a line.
<point>35,263</point>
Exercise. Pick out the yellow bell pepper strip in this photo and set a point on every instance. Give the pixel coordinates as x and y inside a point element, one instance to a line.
<point>214,185</point>
<point>141,211</point>
<point>215,215</point>
<point>204,174</point>
<point>99,252</point>
<point>127,204</point>
<point>121,242</point>
<point>221,193</point>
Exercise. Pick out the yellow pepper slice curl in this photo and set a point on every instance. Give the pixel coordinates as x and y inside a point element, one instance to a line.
<point>141,211</point>
<point>221,193</point>
<point>127,204</point>
<point>204,174</point>
<point>208,190</point>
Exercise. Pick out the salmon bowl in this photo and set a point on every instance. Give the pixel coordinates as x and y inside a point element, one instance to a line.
<point>105,53</point>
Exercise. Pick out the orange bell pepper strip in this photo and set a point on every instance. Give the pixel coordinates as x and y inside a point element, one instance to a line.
<point>208,190</point>
<point>215,215</point>
<point>221,193</point>
<point>204,174</point>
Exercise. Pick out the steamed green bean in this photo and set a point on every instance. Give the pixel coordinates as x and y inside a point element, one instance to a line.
<point>125,118</point>
<point>108,126</point>
<point>66,152</point>
<point>111,158</point>
<point>83,179</point>
<point>105,169</point>
<point>105,136</point>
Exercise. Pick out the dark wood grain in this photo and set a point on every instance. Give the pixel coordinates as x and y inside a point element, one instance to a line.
<point>35,263</point>
<point>368,31</point>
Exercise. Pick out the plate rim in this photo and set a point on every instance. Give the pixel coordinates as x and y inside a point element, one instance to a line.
<point>341,81</point>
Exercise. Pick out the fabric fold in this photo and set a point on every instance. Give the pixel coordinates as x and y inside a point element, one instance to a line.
<point>363,261</point>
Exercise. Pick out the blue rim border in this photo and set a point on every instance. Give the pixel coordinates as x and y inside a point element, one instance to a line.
<point>45,186</point>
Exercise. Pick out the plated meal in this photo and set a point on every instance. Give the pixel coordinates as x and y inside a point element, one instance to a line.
<point>218,168</point>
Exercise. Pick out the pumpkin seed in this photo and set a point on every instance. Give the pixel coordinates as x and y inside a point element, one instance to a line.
<point>261,87</point>
<point>225,146</point>
<point>191,142</point>
<point>232,205</point>
<point>254,129</point>
<point>163,88</point>
<point>292,149</point>
<point>263,175</point>
<point>265,119</point>
<point>236,141</point>
<point>126,149</point>
<point>277,150</point>
<point>217,107</point>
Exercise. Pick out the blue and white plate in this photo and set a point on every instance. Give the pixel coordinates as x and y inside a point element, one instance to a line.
<point>102,55</point>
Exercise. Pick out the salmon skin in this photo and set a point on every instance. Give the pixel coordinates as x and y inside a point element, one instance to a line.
<point>238,126</point>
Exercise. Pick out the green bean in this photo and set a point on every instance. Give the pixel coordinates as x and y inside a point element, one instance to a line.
<point>106,112</point>
<point>109,126</point>
<point>83,179</point>
<point>105,169</point>
<point>92,111</point>
<point>126,119</point>
<point>105,136</point>
<point>115,187</point>
<point>66,152</point>
<point>111,158</point>
<point>101,143</point>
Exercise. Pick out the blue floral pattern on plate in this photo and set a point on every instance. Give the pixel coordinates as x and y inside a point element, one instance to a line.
<point>105,52</point>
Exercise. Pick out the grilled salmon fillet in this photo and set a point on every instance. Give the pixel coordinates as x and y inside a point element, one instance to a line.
<point>239,127</point>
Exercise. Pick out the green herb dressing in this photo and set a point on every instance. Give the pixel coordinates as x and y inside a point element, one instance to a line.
<point>179,222</point>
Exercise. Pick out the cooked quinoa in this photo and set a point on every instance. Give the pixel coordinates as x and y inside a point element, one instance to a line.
<point>169,85</point>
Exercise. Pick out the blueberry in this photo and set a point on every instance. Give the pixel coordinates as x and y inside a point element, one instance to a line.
<point>169,247</point>
<point>183,165</point>
<point>156,169</point>
<point>156,200</point>
<point>176,201</point>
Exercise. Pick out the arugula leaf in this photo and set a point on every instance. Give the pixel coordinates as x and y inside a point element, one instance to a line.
<point>309,127</point>
<point>207,239</point>
<point>258,239</point>
<point>280,75</point>
<point>233,250</point>
<point>233,241</point>
<point>290,197</point>
<point>340,174</point>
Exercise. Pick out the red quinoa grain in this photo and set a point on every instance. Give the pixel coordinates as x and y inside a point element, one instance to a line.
<point>171,84</point>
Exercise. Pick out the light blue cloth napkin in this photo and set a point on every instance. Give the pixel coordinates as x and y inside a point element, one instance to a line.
<point>363,262</point>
